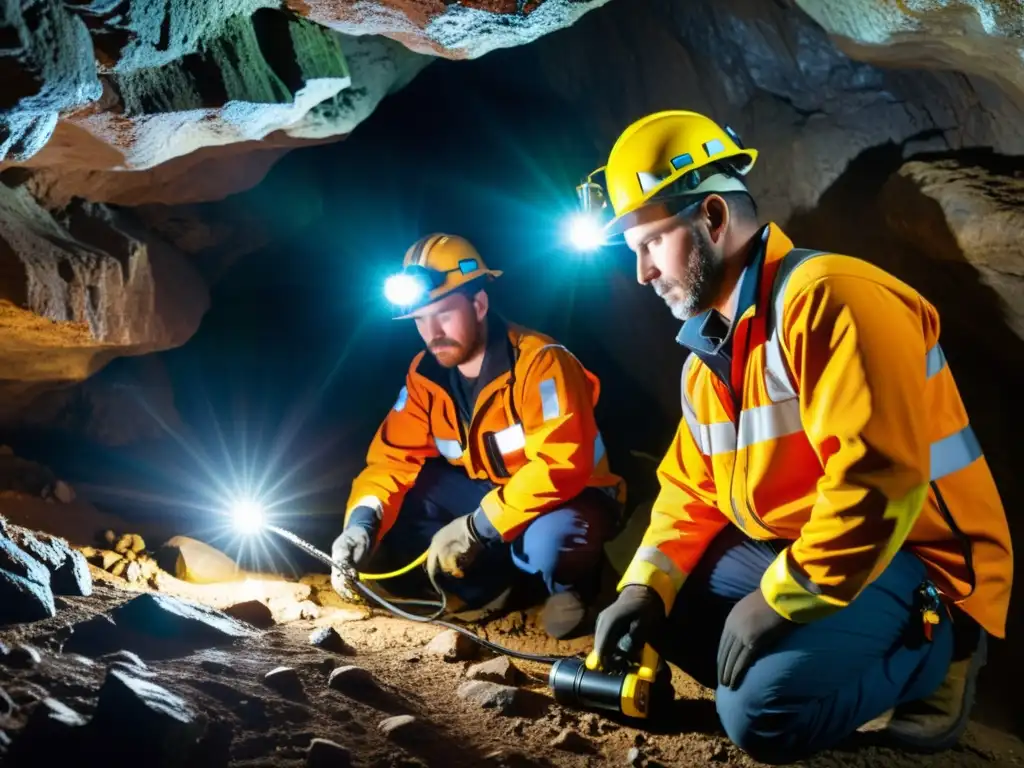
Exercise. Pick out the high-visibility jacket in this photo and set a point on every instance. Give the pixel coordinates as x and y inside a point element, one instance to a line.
<point>532,432</point>
<point>826,415</point>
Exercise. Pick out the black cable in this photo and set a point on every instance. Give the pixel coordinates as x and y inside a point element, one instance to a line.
<point>433,618</point>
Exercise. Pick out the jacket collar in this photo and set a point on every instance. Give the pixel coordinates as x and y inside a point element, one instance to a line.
<point>499,357</point>
<point>713,338</point>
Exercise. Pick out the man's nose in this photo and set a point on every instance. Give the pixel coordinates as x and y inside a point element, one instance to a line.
<point>645,270</point>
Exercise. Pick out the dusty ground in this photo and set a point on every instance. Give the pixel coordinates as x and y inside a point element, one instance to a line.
<point>258,726</point>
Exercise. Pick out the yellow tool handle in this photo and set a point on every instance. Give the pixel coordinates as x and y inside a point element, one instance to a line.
<point>646,669</point>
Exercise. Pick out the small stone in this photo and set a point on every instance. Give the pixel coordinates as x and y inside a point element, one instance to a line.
<point>108,559</point>
<point>137,544</point>
<point>284,680</point>
<point>110,537</point>
<point>352,679</point>
<point>130,556</point>
<point>324,753</point>
<point>405,730</point>
<point>123,544</point>
<point>328,639</point>
<point>63,492</point>
<point>571,741</point>
<point>252,612</point>
<point>506,699</point>
<point>453,646</point>
<point>499,670</point>
<point>73,577</point>
<point>133,572</point>
<point>634,757</point>
<point>22,657</point>
<point>119,568</point>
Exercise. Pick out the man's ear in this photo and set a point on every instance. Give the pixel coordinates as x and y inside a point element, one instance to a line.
<point>716,216</point>
<point>481,303</point>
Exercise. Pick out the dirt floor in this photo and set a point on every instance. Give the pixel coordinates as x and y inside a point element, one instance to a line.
<point>250,722</point>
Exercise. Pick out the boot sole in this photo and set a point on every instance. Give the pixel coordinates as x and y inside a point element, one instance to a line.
<point>949,738</point>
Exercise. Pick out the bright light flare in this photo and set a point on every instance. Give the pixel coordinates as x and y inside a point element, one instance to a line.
<point>585,232</point>
<point>248,516</point>
<point>403,290</point>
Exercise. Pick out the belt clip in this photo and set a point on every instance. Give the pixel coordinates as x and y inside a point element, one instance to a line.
<point>931,607</point>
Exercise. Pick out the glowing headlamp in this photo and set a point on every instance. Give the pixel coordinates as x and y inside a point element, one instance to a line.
<point>585,228</point>
<point>412,287</point>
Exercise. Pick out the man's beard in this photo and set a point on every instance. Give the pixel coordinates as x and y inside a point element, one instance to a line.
<point>696,292</point>
<point>450,353</point>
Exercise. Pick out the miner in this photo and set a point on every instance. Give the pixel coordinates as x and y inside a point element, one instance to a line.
<point>828,545</point>
<point>490,457</point>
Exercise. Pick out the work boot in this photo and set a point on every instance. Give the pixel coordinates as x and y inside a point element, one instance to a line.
<point>565,615</point>
<point>937,722</point>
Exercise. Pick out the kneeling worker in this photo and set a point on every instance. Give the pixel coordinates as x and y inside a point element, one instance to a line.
<point>828,545</point>
<point>490,456</point>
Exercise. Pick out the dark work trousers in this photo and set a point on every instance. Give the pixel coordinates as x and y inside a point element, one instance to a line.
<point>824,679</point>
<point>563,547</point>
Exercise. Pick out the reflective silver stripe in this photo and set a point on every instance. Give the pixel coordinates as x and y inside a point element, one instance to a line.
<point>511,439</point>
<point>549,399</point>
<point>777,383</point>
<point>598,448</point>
<point>450,449</point>
<point>711,439</point>
<point>403,397</point>
<point>662,562</point>
<point>953,453</point>
<point>935,361</point>
<point>769,422</point>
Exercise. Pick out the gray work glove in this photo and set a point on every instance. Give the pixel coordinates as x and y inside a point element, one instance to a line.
<point>751,628</point>
<point>454,548</point>
<point>625,626</point>
<point>352,549</point>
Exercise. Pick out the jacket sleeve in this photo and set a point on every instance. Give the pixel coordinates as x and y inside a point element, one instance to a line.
<point>684,517</point>
<point>401,445</point>
<point>557,415</point>
<point>857,354</point>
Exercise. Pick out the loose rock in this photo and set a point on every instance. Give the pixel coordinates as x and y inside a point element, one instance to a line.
<point>406,730</point>
<point>633,757</point>
<point>22,657</point>
<point>352,679</point>
<point>284,680</point>
<point>504,698</point>
<point>252,612</point>
<point>69,571</point>
<point>328,639</point>
<point>571,741</point>
<point>499,670</point>
<point>154,625</point>
<point>324,753</point>
<point>145,720</point>
<point>453,646</point>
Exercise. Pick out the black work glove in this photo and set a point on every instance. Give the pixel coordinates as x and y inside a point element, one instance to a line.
<point>751,628</point>
<point>623,628</point>
<point>352,549</point>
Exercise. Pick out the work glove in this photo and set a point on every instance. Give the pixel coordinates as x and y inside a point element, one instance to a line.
<point>751,628</point>
<point>624,627</point>
<point>454,548</point>
<point>353,547</point>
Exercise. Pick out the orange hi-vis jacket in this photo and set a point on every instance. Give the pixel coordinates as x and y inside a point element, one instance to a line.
<point>831,421</point>
<point>532,432</point>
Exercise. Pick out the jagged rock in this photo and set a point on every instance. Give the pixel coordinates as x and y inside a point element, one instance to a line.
<point>154,625</point>
<point>329,639</point>
<point>453,646</point>
<point>252,612</point>
<point>145,721</point>
<point>324,753</point>
<point>25,593</point>
<point>284,680</point>
<point>21,657</point>
<point>497,670</point>
<point>571,741</point>
<point>85,286</point>
<point>506,699</point>
<point>69,571</point>
<point>957,211</point>
<point>54,734</point>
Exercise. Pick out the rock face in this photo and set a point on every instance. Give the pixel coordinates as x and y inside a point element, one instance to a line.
<point>960,212</point>
<point>80,286</point>
<point>93,93</point>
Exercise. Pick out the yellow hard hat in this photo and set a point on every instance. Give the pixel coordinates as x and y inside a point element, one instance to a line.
<point>433,267</point>
<point>673,154</point>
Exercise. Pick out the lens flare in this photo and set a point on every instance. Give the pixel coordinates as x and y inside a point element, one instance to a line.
<point>248,516</point>
<point>585,232</point>
<point>403,290</point>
